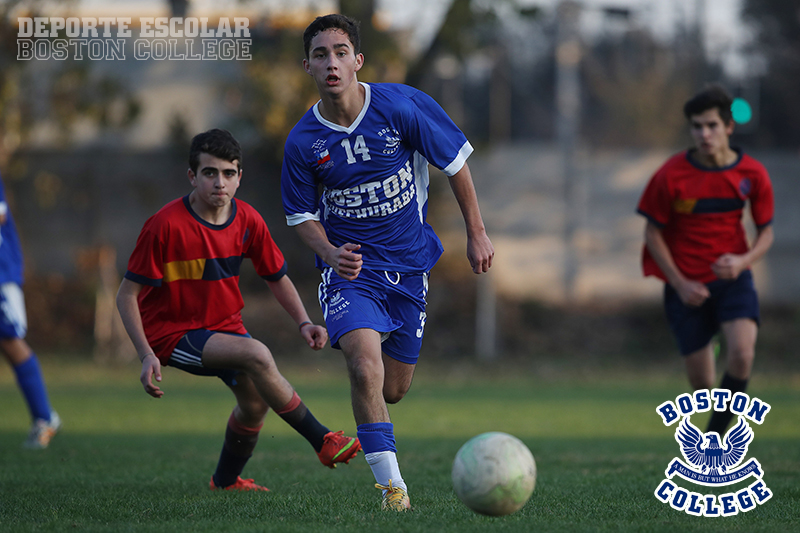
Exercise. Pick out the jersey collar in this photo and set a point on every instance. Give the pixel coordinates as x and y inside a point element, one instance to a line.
<point>227,223</point>
<point>697,165</point>
<point>346,129</point>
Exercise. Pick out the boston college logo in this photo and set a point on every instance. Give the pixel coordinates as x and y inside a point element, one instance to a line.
<point>711,460</point>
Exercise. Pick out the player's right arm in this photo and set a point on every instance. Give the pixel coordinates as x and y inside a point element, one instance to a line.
<point>344,260</point>
<point>128,306</point>
<point>692,293</point>
<point>299,193</point>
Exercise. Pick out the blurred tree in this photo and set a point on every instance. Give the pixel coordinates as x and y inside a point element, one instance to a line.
<point>58,92</point>
<point>382,59</point>
<point>277,91</point>
<point>458,36</point>
<point>634,89</point>
<point>485,67</point>
<point>777,25</point>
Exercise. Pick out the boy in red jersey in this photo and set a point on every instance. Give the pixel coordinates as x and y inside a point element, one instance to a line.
<point>181,305</point>
<point>695,242</point>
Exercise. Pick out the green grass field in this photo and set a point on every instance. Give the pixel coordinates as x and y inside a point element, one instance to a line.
<point>127,462</point>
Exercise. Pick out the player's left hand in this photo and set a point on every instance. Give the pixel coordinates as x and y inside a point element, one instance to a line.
<point>151,368</point>
<point>316,336</point>
<point>480,252</point>
<point>729,266</point>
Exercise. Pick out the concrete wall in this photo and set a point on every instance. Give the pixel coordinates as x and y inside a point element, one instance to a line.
<point>522,200</point>
<point>66,202</point>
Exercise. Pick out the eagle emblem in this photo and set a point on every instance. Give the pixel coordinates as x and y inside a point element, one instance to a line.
<point>705,453</point>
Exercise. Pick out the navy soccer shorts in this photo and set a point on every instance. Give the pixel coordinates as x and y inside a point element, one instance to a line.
<point>13,320</point>
<point>188,356</point>
<point>694,327</point>
<point>391,303</point>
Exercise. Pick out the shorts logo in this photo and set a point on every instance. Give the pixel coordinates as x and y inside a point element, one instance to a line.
<point>337,307</point>
<point>336,298</point>
<point>710,461</point>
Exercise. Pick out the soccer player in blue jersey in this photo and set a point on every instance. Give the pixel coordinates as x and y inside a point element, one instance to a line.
<point>369,146</point>
<point>13,327</point>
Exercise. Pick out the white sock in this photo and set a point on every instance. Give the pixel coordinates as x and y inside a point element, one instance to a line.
<point>384,467</point>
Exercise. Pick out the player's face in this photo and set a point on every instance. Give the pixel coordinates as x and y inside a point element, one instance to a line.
<point>332,62</point>
<point>216,180</point>
<point>709,132</point>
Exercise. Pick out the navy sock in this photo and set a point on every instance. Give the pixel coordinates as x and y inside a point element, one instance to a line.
<point>240,441</point>
<point>720,419</point>
<point>31,382</point>
<point>297,415</point>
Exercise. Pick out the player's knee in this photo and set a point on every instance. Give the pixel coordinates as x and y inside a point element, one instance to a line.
<point>698,382</point>
<point>364,371</point>
<point>741,354</point>
<point>740,362</point>
<point>259,360</point>
<point>252,411</point>
<point>16,351</point>
<point>394,394</point>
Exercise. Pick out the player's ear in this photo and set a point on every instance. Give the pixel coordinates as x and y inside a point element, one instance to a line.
<point>307,67</point>
<point>729,127</point>
<point>359,61</point>
<point>192,177</point>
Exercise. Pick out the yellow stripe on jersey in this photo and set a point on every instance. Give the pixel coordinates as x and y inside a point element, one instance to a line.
<point>176,270</point>
<point>684,206</point>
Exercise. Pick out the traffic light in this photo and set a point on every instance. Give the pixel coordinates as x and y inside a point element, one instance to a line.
<point>741,110</point>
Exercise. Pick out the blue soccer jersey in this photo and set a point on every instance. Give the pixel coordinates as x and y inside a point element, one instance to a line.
<point>374,175</point>
<point>10,250</point>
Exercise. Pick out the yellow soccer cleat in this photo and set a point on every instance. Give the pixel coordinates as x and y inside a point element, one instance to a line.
<point>395,499</point>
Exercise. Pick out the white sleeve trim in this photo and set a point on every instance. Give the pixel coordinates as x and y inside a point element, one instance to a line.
<point>3,208</point>
<point>458,162</point>
<point>299,218</point>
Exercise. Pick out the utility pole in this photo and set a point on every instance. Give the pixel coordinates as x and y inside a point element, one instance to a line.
<point>486,318</point>
<point>568,106</point>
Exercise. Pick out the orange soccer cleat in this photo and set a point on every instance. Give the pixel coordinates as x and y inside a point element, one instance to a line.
<point>242,485</point>
<point>337,448</point>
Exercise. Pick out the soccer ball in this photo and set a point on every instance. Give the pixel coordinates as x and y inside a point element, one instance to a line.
<point>494,474</point>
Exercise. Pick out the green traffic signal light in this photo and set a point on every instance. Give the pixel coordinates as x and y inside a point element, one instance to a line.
<point>741,111</point>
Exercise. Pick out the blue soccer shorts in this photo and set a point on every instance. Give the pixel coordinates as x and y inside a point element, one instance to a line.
<point>188,356</point>
<point>13,320</point>
<point>694,327</point>
<point>391,303</point>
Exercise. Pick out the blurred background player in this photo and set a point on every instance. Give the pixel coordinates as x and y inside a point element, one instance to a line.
<point>696,243</point>
<point>13,327</point>
<point>181,305</point>
<point>369,145</point>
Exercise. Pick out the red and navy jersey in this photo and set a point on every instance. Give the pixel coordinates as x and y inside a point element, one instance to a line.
<point>190,270</point>
<point>699,211</point>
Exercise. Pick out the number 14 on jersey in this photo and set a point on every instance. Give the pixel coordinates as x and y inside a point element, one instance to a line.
<point>360,148</point>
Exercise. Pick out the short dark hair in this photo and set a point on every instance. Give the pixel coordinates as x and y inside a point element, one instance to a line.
<point>216,142</point>
<point>338,22</point>
<point>713,96</point>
